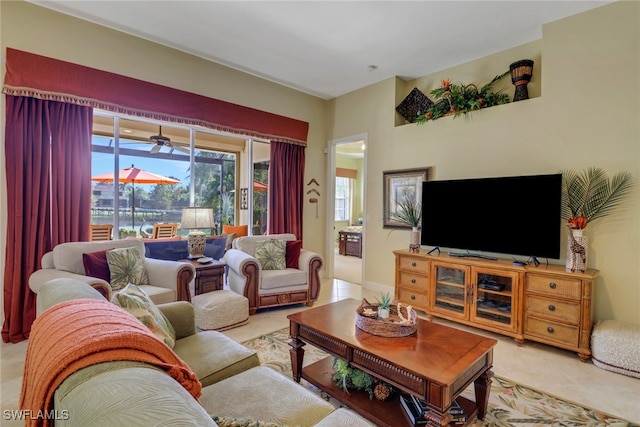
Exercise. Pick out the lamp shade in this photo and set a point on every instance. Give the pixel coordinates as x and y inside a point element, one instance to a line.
<point>195,218</point>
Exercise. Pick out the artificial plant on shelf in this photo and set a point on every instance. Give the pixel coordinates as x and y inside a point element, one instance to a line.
<point>462,98</point>
<point>591,194</point>
<point>347,377</point>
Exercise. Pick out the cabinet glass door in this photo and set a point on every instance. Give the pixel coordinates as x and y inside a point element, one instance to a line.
<point>449,292</point>
<point>494,293</point>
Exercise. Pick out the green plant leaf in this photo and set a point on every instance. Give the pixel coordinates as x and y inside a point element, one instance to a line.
<point>590,193</point>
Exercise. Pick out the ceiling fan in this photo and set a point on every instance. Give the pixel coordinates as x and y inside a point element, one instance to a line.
<point>162,141</point>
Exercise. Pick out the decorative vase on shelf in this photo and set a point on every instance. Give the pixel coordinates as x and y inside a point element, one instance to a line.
<point>521,72</point>
<point>577,247</point>
<point>414,242</point>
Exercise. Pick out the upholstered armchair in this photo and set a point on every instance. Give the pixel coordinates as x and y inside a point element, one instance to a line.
<point>168,281</point>
<point>272,287</point>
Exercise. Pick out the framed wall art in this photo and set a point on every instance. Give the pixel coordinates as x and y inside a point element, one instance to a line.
<point>400,185</point>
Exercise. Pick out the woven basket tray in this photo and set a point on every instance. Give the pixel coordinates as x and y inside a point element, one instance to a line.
<point>392,327</point>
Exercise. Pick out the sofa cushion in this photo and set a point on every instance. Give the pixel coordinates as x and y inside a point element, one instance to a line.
<point>271,254</point>
<point>261,393</point>
<point>137,302</point>
<point>126,394</point>
<point>59,290</point>
<point>126,265</point>
<point>68,256</point>
<point>344,417</point>
<point>293,253</point>
<point>247,244</point>
<point>159,295</point>
<point>274,279</point>
<point>95,265</point>
<point>213,356</point>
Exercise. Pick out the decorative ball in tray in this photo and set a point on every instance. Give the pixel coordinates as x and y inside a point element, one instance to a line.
<point>400,323</point>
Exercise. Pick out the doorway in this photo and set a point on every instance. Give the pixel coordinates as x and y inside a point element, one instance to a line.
<point>346,209</point>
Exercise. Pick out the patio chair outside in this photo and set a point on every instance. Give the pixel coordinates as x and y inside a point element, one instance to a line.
<point>164,230</point>
<point>101,232</point>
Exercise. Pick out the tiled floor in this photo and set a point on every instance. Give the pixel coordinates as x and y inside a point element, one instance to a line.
<point>555,371</point>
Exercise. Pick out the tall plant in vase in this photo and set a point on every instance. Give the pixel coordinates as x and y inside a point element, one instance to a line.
<point>409,212</point>
<point>587,196</point>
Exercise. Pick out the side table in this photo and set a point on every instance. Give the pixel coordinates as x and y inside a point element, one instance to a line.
<point>209,276</point>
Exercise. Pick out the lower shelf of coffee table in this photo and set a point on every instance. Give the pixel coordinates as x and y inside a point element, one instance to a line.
<point>388,413</point>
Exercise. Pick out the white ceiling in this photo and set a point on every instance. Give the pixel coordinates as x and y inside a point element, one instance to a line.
<point>327,48</point>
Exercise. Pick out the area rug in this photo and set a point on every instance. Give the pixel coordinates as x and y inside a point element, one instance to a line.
<point>510,403</point>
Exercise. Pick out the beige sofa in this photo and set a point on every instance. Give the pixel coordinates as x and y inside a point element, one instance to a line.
<point>136,394</point>
<point>269,288</point>
<point>169,280</point>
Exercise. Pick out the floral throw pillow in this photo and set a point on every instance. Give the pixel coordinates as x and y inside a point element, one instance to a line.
<point>126,266</point>
<point>271,254</point>
<point>136,301</point>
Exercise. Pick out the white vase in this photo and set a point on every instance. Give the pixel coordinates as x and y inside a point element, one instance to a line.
<point>414,242</point>
<point>577,248</point>
<point>383,313</point>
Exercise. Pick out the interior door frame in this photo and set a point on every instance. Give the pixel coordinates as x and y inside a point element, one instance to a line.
<point>331,199</point>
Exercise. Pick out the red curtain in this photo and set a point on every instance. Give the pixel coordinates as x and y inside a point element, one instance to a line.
<point>286,194</point>
<point>48,166</point>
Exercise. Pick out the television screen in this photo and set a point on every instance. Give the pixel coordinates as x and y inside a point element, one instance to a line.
<point>517,215</point>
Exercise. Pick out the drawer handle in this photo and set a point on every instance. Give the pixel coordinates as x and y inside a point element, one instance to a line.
<point>550,330</point>
<point>413,297</point>
<point>552,307</point>
<point>413,264</point>
<point>552,285</point>
<point>413,280</point>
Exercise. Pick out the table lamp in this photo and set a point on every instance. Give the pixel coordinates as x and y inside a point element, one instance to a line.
<point>195,219</point>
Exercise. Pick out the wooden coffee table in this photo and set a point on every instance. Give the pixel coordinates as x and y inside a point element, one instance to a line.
<point>436,364</point>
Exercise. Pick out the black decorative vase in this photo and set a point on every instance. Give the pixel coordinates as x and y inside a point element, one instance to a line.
<point>521,72</point>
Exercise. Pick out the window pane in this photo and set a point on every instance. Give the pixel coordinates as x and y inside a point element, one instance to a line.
<point>343,202</point>
<point>261,161</point>
<point>142,204</point>
<point>215,181</point>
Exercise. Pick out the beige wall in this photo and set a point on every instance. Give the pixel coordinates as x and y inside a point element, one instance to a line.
<point>584,112</point>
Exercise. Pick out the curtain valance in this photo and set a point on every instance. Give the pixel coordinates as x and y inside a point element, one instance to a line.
<point>41,77</point>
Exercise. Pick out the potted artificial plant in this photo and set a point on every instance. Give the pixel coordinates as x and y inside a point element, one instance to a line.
<point>590,194</point>
<point>384,305</point>
<point>587,196</point>
<point>409,212</point>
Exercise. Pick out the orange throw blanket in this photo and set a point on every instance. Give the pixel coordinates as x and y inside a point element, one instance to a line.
<point>79,333</point>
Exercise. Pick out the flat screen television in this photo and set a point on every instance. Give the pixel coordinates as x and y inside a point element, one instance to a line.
<point>514,215</point>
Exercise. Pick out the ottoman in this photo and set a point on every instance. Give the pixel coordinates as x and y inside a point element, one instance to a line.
<point>220,310</point>
<point>615,346</point>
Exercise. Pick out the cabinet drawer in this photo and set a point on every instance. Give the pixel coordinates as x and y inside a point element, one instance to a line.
<point>556,286</point>
<point>552,331</point>
<point>554,309</point>
<point>409,296</point>
<point>417,265</point>
<point>413,280</point>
